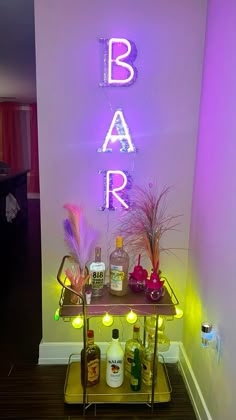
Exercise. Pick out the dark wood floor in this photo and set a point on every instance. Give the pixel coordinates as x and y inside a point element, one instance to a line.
<point>30,391</point>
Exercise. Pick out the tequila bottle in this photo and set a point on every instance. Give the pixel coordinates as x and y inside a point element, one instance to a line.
<point>119,266</point>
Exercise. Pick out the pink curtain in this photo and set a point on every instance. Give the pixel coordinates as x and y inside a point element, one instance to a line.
<point>11,135</point>
<point>33,181</point>
<point>13,141</point>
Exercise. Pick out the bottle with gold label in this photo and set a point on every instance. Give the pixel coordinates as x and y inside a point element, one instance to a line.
<point>119,266</point>
<point>93,357</point>
<point>148,373</point>
<point>130,346</point>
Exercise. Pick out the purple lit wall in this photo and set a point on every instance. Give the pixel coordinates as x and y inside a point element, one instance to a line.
<point>211,287</point>
<point>75,112</point>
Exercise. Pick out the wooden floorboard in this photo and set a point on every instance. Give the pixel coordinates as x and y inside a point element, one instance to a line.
<point>35,392</point>
<point>30,391</point>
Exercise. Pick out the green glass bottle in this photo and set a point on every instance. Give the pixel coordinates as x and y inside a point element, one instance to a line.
<point>136,372</point>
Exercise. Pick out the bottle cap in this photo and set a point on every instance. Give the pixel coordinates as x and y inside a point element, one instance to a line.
<point>119,242</point>
<point>136,328</point>
<point>90,334</point>
<point>115,333</point>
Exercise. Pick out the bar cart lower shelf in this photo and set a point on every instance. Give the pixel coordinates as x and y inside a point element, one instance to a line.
<point>102,393</point>
<point>74,393</point>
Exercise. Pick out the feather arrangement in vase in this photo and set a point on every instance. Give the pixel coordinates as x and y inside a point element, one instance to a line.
<point>145,223</point>
<point>80,239</point>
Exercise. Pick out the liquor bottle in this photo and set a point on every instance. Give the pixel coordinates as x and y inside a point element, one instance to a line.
<point>148,373</point>
<point>115,362</point>
<point>130,346</point>
<point>93,357</point>
<point>97,270</point>
<point>119,266</point>
<point>136,372</point>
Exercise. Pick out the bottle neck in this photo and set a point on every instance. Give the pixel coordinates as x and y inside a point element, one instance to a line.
<point>136,335</point>
<point>151,343</point>
<point>98,254</point>
<point>119,243</point>
<point>136,356</point>
<point>90,341</point>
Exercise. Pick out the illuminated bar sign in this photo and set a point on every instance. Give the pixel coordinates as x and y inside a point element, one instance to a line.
<point>118,131</point>
<point>119,55</point>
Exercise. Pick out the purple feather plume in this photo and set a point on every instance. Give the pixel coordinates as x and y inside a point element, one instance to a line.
<point>79,236</point>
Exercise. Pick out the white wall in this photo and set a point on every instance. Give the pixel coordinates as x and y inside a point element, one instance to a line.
<point>74,113</point>
<point>212,270</point>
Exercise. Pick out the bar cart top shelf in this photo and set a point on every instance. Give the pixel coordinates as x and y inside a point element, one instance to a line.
<point>117,305</point>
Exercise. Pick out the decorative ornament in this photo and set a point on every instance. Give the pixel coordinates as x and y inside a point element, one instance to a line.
<point>154,287</point>
<point>137,279</point>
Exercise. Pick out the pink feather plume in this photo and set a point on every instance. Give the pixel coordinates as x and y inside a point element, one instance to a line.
<point>79,235</point>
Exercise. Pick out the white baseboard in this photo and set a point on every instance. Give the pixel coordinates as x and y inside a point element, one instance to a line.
<point>192,386</point>
<point>59,353</point>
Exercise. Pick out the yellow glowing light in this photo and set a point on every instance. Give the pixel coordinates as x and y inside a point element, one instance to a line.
<point>107,320</point>
<point>179,312</point>
<point>160,322</point>
<point>78,322</point>
<point>131,317</point>
<point>57,315</point>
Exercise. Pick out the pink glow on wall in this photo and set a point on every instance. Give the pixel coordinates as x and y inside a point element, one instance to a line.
<point>119,55</point>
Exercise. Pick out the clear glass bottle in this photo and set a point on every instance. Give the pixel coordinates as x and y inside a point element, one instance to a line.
<point>115,362</point>
<point>119,267</point>
<point>97,270</point>
<point>130,346</point>
<point>93,358</point>
<point>148,362</point>
<point>136,372</point>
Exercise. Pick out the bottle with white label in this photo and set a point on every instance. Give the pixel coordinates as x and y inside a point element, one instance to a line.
<point>97,274</point>
<point>119,267</point>
<point>115,362</point>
